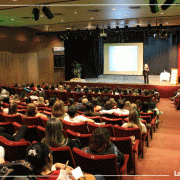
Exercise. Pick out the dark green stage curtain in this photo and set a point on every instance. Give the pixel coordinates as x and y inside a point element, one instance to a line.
<point>87,51</point>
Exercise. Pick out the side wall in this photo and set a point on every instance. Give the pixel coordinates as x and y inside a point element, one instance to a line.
<point>26,57</point>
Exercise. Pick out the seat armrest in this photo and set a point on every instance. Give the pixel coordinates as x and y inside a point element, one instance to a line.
<point>136,144</point>
<point>123,168</point>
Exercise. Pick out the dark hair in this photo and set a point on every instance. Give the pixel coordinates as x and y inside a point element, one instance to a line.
<point>89,107</point>
<point>120,103</point>
<point>71,101</point>
<point>6,99</point>
<point>144,107</point>
<point>31,110</point>
<point>99,140</point>
<point>72,111</point>
<point>38,155</point>
<point>12,108</point>
<point>28,100</point>
<point>52,101</point>
<point>52,87</point>
<point>108,105</point>
<point>42,94</point>
<point>23,94</point>
<point>105,98</point>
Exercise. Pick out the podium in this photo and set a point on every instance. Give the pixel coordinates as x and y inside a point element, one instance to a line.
<point>174,76</point>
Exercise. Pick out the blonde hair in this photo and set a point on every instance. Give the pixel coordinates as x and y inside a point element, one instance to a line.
<point>31,110</point>
<point>127,105</point>
<point>40,100</point>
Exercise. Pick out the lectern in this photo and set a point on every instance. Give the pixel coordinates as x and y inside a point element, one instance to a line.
<point>174,76</point>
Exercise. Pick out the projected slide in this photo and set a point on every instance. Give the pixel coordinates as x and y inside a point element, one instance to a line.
<point>123,58</point>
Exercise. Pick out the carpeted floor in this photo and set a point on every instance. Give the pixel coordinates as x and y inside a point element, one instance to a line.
<point>162,157</point>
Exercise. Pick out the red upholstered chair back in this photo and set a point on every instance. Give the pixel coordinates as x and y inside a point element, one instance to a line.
<point>47,94</point>
<point>99,164</point>
<point>12,118</point>
<point>84,138</point>
<point>44,121</point>
<point>95,118</point>
<point>63,154</point>
<point>118,121</point>
<point>126,132</point>
<point>76,127</point>
<point>123,116</point>
<point>52,93</point>
<point>48,109</point>
<point>147,118</point>
<point>67,95</point>
<point>41,132</point>
<point>29,121</point>
<point>124,144</point>
<point>8,126</point>
<point>76,96</point>
<point>148,114</point>
<point>61,96</point>
<point>5,105</point>
<point>14,150</point>
<point>93,126</point>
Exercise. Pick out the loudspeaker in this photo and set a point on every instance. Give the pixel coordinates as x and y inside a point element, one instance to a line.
<point>47,12</point>
<point>35,13</point>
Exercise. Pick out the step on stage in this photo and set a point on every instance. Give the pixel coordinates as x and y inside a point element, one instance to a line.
<point>165,88</point>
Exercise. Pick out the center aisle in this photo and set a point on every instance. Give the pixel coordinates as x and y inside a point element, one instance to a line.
<point>162,157</point>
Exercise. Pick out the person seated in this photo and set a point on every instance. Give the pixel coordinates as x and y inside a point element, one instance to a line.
<point>100,144</point>
<point>12,110</point>
<point>138,103</point>
<point>145,107</point>
<point>32,111</point>
<point>61,88</point>
<point>96,105</point>
<point>41,160</point>
<point>58,110</point>
<point>16,98</point>
<point>42,94</point>
<point>6,99</point>
<point>33,87</point>
<point>73,118</point>
<point>89,111</point>
<point>108,108</point>
<point>51,102</point>
<point>28,100</point>
<point>4,93</point>
<point>84,101</point>
<point>2,155</point>
<point>17,136</point>
<point>134,121</point>
<point>40,101</point>
<point>127,105</point>
<point>79,105</point>
<point>54,135</point>
<point>86,89</point>
<point>71,102</point>
<point>68,88</point>
<point>34,95</point>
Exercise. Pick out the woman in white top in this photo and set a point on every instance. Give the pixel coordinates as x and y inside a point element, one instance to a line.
<point>134,122</point>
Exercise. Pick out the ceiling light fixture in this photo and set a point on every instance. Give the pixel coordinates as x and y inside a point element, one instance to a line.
<point>35,13</point>
<point>47,12</point>
<point>167,4</point>
<point>153,6</point>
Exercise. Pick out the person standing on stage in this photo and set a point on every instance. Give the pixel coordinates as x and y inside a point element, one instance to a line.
<point>146,74</point>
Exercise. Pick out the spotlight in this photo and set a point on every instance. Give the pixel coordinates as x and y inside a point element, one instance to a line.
<point>153,6</point>
<point>47,12</point>
<point>35,13</point>
<point>167,4</point>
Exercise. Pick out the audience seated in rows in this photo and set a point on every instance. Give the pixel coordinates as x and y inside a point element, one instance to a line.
<point>75,118</point>
<point>100,144</point>
<point>54,135</point>
<point>89,111</point>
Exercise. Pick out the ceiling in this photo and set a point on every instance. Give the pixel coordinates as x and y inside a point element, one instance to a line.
<point>83,14</point>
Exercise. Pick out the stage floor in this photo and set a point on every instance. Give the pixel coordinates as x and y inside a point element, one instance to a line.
<point>127,79</point>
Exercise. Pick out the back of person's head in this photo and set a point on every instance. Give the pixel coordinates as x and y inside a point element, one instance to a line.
<point>84,101</point>
<point>12,108</point>
<point>6,99</point>
<point>108,105</point>
<point>54,134</point>
<point>89,107</point>
<point>80,99</point>
<point>34,93</point>
<point>127,105</point>
<point>42,94</point>
<point>138,103</point>
<point>16,98</point>
<point>52,101</point>
<point>40,100</point>
<point>31,110</point>
<point>96,89</point>
<point>139,91</point>
<point>95,101</point>
<point>99,140</point>
<point>61,88</point>
<point>23,94</point>
<point>152,105</point>
<point>31,85</point>
<point>58,108</point>
<point>72,110</point>
<point>38,155</point>
<point>28,100</point>
<point>71,101</point>
<point>144,107</point>
<point>134,117</point>
<point>46,87</point>
<point>120,103</point>
<point>105,98</point>
<point>68,88</point>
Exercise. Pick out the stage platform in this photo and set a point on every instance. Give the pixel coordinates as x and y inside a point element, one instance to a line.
<point>165,88</point>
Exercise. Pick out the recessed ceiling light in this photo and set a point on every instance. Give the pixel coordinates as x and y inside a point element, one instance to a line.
<point>113,9</point>
<point>75,12</point>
